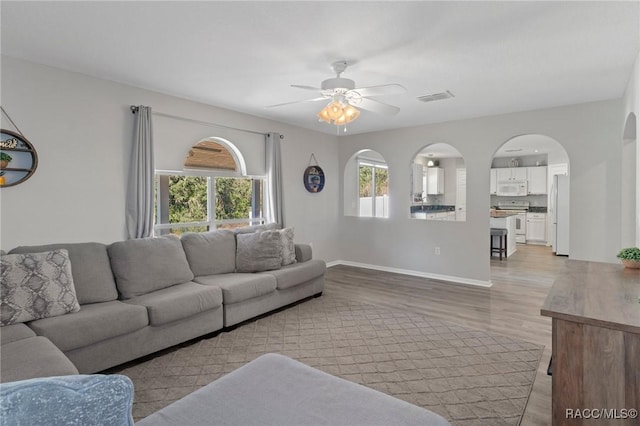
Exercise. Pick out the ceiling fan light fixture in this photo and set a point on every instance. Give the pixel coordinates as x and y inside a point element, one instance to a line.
<point>334,110</point>
<point>338,114</point>
<point>323,115</point>
<point>350,113</point>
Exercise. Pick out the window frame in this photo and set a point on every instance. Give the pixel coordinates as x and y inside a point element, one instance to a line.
<point>211,223</point>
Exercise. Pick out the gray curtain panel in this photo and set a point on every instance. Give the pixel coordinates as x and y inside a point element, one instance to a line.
<point>275,202</point>
<point>140,186</point>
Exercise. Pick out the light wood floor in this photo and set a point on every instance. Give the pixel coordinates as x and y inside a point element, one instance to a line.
<point>511,307</point>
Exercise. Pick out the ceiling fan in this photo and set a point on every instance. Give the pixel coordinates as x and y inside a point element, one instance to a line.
<point>345,97</point>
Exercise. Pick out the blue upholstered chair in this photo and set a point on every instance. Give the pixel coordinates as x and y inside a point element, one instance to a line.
<point>68,400</point>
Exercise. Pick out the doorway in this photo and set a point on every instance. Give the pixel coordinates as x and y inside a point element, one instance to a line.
<point>530,183</point>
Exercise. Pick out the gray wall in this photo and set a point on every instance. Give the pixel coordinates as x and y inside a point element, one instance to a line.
<point>590,133</point>
<point>82,129</point>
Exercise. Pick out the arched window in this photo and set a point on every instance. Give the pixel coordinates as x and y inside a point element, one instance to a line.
<point>212,191</point>
<point>439,184</point>
<point>366,185</point>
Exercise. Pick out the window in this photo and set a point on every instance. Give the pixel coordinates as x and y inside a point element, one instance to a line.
<point>373,189</point>
<point>196,203</point>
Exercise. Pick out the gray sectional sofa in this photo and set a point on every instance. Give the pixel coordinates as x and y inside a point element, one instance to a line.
<point>140,296</point>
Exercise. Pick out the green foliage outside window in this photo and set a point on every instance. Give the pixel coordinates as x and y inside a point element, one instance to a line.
<point>366,178</point>
<point>187,199</point>
<point>233,198</point>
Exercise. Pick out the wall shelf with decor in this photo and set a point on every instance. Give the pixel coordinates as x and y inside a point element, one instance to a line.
<point>16,151</point>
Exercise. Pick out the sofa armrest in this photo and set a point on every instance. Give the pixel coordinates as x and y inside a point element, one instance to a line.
<point>303,252</point>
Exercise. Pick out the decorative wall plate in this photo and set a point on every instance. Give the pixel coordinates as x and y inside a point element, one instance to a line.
<point>18,158</point>
<point>313,179</point>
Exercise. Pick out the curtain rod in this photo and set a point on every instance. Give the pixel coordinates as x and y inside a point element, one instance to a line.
<point>134,109</point>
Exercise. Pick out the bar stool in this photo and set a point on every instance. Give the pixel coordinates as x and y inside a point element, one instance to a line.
<point>501,233</point>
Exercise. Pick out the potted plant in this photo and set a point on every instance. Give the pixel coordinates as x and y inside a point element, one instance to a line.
<point>630,257</point>
<point>5,159</point>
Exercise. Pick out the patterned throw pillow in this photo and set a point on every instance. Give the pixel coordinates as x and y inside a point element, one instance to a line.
<point>288,247</point>
<point>35,286</point>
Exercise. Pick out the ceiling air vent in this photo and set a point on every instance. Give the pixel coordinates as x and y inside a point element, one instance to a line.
<point>436,96</point>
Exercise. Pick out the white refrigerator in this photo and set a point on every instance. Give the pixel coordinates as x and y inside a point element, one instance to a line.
<point>560,214</point>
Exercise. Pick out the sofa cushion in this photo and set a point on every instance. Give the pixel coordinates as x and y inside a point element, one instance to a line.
<point>92,276</point>
<point>70,400</point>
<point>14,332</point>
<point>36,285</point>
<point>94,323</point>
<point>148,264</point>
<point>239,287</point>
<point>33,357</point>
<point>178,302</point>
<point>210,253</point>
<point>258,251</point>
<point>298,273</point>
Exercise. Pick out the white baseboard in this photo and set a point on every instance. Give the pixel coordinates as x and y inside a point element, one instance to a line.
<point>448,278</point>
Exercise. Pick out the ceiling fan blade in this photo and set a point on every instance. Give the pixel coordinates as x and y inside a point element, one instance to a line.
<point>297,102</point>
<point>377,106</point>
<point>298,86</point>
<point>384,89</point>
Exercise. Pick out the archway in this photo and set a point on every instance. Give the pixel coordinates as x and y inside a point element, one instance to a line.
<point>530,180</point>
<point>438,184</point>
<point>366,185</point>
<point>629,221</point>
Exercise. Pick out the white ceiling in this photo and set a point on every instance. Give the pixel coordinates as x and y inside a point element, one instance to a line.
<point>496,57</point>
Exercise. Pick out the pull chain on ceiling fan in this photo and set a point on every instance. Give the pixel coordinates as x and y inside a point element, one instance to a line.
<point>344,97</point>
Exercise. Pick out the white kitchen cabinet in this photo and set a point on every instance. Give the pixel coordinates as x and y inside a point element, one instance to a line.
<point>418,172</point>
<point>435,180</point>
<point>446,215</point>
<point>537,180</point>
<point>511,174</point>
<point>519,173</point>
<point>493,186</point>
<point>536,227</point>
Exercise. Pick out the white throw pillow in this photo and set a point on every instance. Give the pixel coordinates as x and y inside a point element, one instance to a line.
<point>35,286</point>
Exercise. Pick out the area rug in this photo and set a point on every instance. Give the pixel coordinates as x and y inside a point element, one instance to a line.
<point>470,377</point>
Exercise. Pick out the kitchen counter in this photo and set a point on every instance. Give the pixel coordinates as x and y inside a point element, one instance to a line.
<point>507,222</point>
<point>427,208</point>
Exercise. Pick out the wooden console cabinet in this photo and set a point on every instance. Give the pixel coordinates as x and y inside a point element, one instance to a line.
<point>596,343</point>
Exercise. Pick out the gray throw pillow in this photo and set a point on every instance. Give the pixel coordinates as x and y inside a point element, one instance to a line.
<point>258,251</point>
<point>288,246</point>
<point>35,286</point>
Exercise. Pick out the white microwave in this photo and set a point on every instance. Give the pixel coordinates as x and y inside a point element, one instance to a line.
<point>512,188</point>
